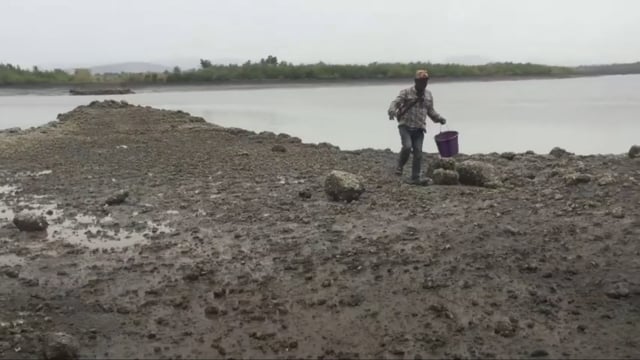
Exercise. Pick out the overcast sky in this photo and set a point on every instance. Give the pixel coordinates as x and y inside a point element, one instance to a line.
<point>94,32</point>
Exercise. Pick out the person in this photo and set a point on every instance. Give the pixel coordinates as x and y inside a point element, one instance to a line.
<point>411,108</point>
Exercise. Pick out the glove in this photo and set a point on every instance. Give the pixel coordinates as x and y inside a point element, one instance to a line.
<point>442,121</point>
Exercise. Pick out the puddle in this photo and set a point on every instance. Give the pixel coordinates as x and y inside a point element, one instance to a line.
<point>8,189</point>
<point>50,211</point>
<point>10,260</point>
<point>6,213</point>
<point>34,174</point>
<point>83,230</point>
<point>95,237</point>
<point>86,231</point>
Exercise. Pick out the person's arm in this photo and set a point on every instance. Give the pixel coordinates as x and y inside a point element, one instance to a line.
<point>433,114</point>
<point>395,105</point>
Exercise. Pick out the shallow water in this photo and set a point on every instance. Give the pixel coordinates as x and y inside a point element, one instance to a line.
<point>583,115</point>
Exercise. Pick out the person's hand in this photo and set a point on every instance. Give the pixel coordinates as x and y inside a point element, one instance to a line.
<point>391,116</point>
<point>442,121</point>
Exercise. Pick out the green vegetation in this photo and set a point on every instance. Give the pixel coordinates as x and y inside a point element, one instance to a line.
<point>14,75</point>
<point>271,69</point>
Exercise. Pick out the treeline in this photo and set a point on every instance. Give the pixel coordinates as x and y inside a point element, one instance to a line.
<point>271,69</point>
<point>14,75</point>
<point>612,69</point>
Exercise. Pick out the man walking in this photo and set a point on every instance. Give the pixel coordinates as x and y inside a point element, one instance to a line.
<point>411,108</point>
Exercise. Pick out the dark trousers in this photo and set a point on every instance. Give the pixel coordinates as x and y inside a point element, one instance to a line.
<point>412,139</point>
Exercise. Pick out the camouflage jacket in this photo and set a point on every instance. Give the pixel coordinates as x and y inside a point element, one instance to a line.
<point>416,116</point>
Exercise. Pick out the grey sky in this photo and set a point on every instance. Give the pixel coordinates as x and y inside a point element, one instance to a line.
<point>337,31</point>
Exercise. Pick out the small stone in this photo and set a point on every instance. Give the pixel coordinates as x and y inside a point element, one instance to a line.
<point>618,291</point>
<point>505,328</point>
<point>117,198</point>
<point>618,213</point>
<point>577,178</point>
<point>279,148</point>
<point>606,180</point>
<point>510,230</point>
<point>60,346</point>
<point>27,221</point>
<point>212,311</point>
<point>305,194</point>
<point>582,328</point>
<point>13,274</point>
<point>539,353</point>
<point>508,155</point>
<point>634,152</point>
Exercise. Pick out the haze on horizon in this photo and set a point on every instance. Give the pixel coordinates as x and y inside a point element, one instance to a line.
<point>62,33</point>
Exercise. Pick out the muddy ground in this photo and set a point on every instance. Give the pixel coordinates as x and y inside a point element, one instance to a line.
<point>228,249</point>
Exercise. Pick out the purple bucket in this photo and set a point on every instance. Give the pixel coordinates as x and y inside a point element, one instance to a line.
<point>447,143</point>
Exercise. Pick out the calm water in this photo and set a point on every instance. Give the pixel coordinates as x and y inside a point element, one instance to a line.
<point>585,115</point>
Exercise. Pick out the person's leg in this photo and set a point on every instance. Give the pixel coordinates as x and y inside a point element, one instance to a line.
<point>405,151</point>
<point>417,138</point>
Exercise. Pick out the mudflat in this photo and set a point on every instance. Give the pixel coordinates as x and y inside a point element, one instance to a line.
<point>171,237</point>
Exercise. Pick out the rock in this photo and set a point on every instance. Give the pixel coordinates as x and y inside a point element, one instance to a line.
<point>343,186</point>
<point>117,198</point>
<point>505,328</point>
<point>108,222</point>
<point>13,130</point>
<point>539,353</point>
<point>60,346</point>
<point>211,311</point>
<point>606,179</point>
<point>559,152</point>
<point>279,148</point>
<point>305,194</point>
<point>476,173</point>
<point>634,151</point>
<point>445,177</point>
<point>577,178</point>
<point>441,163</point>
<point>508,155</point>
<point>26,221</point>
<point>618,213</point>
<point>618,291</point>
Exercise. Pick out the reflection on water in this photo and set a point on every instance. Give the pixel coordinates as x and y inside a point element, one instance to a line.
<point>583,115</point>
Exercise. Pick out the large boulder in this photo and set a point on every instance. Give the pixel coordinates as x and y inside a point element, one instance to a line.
<point>445,177</point>
<point>443,163</point>
<point>634,152</point>
<point>343,186</point>
<point>577,178</point>
<point>440,163</point>
<point>28,221</point>
<point>60,346</point>
<point>477,173</point>
<point>559,152</point>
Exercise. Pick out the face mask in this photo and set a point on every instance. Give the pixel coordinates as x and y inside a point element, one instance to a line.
<point>421,84</point>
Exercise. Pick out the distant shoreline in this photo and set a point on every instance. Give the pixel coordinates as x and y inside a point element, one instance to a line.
<point>58,89</point>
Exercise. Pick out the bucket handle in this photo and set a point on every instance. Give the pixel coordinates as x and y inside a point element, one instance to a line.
<point>446,127</point>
